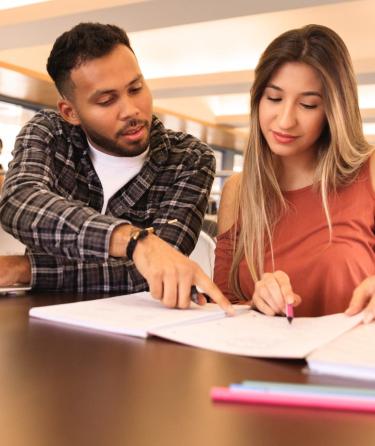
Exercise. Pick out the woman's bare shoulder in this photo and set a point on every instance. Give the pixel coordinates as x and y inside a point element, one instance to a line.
<point>228,208</point>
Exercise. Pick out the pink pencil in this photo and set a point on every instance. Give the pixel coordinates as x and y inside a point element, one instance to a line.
<point>289,312</point>
<point>337,402</point>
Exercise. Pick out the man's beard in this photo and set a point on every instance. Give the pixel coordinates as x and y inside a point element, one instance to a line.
<point>111,147</point>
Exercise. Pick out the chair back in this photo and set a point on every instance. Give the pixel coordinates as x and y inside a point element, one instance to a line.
<point>204,253</point>
<point>9,245</point>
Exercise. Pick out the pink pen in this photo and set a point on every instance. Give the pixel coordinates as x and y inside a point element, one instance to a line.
<point>289,312</point>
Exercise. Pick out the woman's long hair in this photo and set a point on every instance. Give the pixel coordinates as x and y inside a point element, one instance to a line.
<point>342,148</point>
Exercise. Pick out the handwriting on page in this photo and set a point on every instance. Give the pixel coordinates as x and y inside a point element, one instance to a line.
<point>253,334</point>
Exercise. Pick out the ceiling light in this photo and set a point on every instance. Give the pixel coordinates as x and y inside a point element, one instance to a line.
<point>10,4</point>
<point>369,128</point>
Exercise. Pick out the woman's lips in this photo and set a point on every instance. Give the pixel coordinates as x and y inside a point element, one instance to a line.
<point>283,138</point>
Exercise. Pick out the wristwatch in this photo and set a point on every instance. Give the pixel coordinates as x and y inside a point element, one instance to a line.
<point>135,236</point>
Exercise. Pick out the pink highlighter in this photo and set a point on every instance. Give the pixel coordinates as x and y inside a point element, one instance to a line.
<point>289,312</point>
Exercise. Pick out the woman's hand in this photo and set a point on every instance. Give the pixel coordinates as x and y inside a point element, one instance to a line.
<point>363,298</point>
<point>273,292</point>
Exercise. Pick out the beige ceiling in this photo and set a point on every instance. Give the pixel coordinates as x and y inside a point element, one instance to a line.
<point>198,56</point>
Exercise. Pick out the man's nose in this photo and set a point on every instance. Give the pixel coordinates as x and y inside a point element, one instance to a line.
<point>128,108</point>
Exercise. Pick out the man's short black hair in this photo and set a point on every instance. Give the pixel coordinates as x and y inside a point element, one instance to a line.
<point>84,42</point>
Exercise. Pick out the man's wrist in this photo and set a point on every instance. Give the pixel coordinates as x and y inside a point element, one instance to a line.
<point>122,234</point>
<point>135,237</point>
<point>119,240</point>
<point>23,268</point>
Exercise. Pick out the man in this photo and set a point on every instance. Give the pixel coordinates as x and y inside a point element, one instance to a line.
<point>85,181</point>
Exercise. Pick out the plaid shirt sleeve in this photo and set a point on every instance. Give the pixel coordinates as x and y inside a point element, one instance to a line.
<point>52,273</point>
<point>33,212</point>
<point>187,201</point>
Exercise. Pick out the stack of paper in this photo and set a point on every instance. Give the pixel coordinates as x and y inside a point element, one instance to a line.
<point>350,355</point>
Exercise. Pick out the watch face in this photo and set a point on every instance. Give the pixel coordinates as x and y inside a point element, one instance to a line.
<point>143,234</point>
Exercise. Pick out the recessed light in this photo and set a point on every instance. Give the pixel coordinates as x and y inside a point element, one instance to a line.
<point>10,4</point>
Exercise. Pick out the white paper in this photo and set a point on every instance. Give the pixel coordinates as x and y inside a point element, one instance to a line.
<point>254,334</point>
<point>248,333</point>
<point>14,289</point>
<point>350,355</point>
<point>132,314</point>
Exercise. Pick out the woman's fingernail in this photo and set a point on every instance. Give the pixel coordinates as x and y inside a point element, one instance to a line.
<point>367,317</point>
<point>230,311</point>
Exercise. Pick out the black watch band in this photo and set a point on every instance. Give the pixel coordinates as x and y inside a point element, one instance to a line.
<point>134,238</point>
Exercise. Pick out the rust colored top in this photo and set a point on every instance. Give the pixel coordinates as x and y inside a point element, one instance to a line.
<point>324,274</point>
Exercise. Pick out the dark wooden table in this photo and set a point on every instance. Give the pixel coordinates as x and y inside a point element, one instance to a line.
<point>68,386</point>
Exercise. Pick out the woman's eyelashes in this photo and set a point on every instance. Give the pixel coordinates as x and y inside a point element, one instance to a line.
<point>273,99</point>
<point>277,99</point>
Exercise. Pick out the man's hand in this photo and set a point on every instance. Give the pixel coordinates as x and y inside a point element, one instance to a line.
<point>273,292</point>
<point>14,269</point>
<point>170,274</point>
<point>363,298</point>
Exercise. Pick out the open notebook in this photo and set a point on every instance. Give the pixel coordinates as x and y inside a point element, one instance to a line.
<point>248,333</point>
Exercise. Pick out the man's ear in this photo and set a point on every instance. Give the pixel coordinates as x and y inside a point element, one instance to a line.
<point>67,111</point>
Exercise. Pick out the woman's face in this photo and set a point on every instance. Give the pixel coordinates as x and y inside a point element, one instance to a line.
<point>291,111</point>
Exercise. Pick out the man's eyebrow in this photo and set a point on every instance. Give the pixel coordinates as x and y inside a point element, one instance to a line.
<point>136,79</point>
<point>304,93</point>
<point>98,93</point>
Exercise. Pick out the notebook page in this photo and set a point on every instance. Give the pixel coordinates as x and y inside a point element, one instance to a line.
<point>132,314</point>
<point>350,355</point>
<point>254,334</point>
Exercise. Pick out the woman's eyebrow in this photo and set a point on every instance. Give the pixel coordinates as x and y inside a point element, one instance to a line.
<point>304,93</point>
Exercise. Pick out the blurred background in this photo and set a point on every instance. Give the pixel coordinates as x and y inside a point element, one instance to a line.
<point>198,58</point>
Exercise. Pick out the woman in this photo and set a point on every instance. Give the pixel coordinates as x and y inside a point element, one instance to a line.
<point>296,227</point>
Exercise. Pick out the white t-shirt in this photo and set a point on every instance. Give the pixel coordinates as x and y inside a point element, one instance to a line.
<point>114,171</point>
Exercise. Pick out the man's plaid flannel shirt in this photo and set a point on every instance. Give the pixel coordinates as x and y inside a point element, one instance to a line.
<point>52,200</point>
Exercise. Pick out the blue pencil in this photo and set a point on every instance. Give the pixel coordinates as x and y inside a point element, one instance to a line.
<point>264,386</point>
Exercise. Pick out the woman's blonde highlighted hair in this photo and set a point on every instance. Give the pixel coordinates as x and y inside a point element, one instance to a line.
<point>342,146</point>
